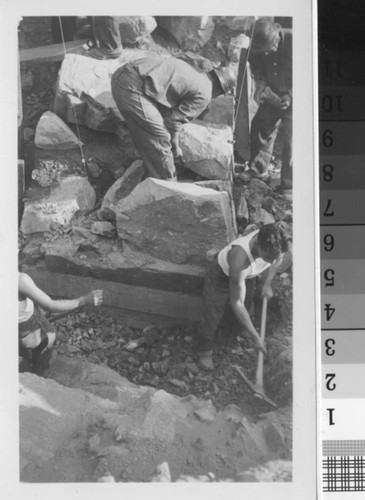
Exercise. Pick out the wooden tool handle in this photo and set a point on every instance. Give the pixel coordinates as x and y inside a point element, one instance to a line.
<point>260,359</point>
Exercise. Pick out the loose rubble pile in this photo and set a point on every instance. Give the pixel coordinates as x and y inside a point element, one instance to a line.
<point>164,357</point>
<point>90,210</point>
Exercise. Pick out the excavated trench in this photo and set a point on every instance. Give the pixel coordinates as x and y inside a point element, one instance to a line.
<point>160,354</point>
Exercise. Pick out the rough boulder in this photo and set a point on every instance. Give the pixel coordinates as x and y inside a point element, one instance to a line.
<point>86,423</point>
<point>53,133</point>
<point>57,205</point>
<point>190,32</point>
<point>207,149</point>
<point>177,222</point>
<point>134,28</point>
<point>83,90</point>
<point>121,188</point>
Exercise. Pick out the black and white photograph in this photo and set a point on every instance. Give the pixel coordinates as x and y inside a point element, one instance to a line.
<point>156,256</point>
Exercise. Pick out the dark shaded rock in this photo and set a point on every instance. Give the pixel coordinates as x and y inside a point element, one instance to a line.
<point>258,186</point>
<point>242,212</point>
<point>260,217</point>
<point>274,437</point>
<point>178,222</point>
<point>121,188</point>
<point>220,110</point>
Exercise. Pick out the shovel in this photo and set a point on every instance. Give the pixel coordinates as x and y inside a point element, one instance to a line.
<point>258,387</point>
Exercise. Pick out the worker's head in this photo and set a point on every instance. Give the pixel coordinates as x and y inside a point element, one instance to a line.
<point>266,36</point>
<point>273,241</point>
<point>226,77</point>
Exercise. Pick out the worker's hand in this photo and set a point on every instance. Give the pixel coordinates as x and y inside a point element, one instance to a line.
<point>94,298</point>
<point>267,291</point>
<point>269,96</point>
<point>260,345</point>
<point>285,101</point>
<point>177,153</point>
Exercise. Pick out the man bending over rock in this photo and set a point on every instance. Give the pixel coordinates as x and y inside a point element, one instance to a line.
<point>157,96</point>
<point>230,276</point>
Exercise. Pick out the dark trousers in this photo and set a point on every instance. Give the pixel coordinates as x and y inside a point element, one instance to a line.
<point>215,300</point>
<point>264,129</point>
<point>106,33</point>
<point>145,123</point>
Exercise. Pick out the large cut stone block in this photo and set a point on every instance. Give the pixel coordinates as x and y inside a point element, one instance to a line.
<point>122,188</point>
<point>53,133</point>
<point>177,222</point>
<point>191,32</point>
<point>57,205</point>
<point>207,149</point>
<point>83,90</point>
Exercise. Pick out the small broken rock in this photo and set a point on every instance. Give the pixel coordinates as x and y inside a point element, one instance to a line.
<point>133,361</point>
<point>94,443</point>
<point>104,228</point>
<point>178,383</point>
<point>204,415</point>
<point>162,474</point>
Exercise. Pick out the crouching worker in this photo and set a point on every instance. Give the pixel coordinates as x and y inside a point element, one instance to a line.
<point>157,96</point>
<point>36,334</point>
<point>230,276</point>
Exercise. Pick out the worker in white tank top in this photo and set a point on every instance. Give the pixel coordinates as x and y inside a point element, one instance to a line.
<point>243,259</point>
<point>257,265</point>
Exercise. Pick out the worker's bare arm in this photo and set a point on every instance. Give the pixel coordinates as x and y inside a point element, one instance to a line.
<point>29,289</point>
<point>238,263</point>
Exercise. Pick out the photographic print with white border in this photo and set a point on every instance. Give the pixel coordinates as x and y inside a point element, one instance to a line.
<point>178,390</point>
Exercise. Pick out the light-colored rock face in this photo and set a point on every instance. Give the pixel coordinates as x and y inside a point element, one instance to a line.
<point>178,222</point>
<point>135,28</point>
<point>83,90</point>
<point>81,77</point>
<point>207,149</point>
<point>239,23</point>
<point>58,205</point>
<point>86,423</point>
<point>235,46</point>
<point>190,32</point>
<point>122,188</point>
<point>53,133</point>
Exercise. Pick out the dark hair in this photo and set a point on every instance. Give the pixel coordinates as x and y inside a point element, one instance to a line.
<point>265,31</point>
<point>273,239</point>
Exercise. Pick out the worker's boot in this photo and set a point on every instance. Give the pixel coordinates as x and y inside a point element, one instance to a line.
<point>102,54</point>
<point>205,360</point>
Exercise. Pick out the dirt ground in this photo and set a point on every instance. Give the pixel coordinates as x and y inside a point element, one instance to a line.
<point>166,360</point>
